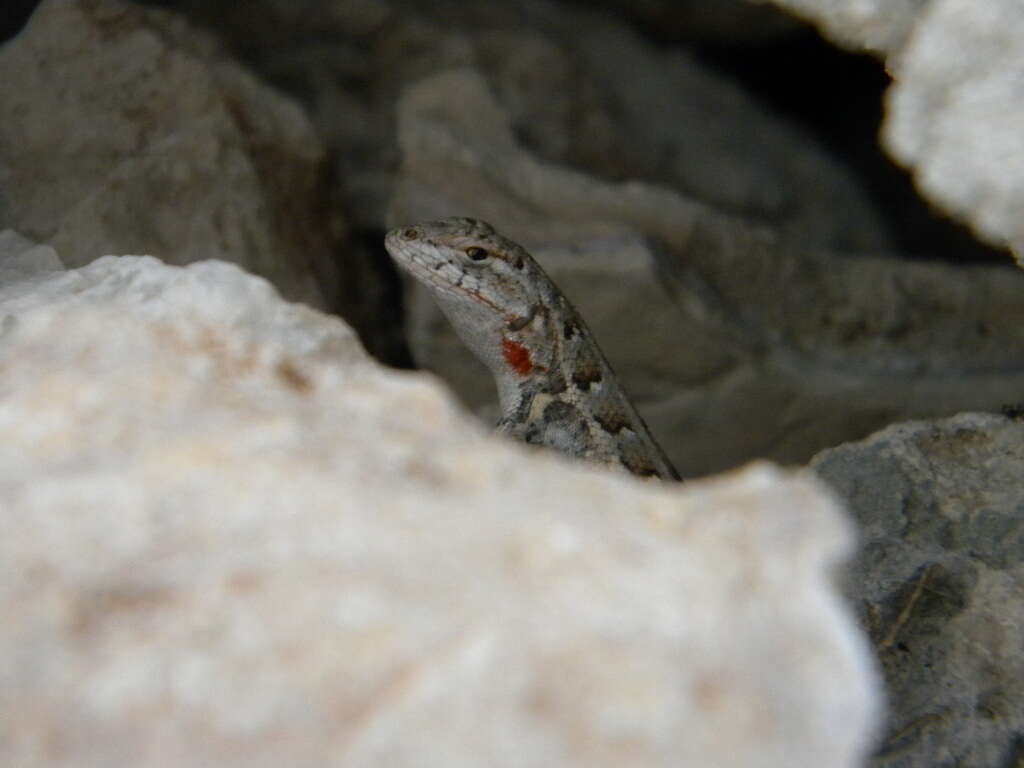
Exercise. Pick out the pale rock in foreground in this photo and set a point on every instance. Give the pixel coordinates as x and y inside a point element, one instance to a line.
<point>953,113</point>
<point>956,117</point>
<point>878,25</point>
<point>231,539</point>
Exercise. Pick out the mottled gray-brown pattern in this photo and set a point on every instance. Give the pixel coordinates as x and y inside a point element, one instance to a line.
<point>555,387</point>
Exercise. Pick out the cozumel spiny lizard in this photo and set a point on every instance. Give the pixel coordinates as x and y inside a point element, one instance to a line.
<point>555,387</point>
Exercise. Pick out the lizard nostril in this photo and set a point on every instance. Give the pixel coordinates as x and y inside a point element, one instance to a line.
<point>409,233</point>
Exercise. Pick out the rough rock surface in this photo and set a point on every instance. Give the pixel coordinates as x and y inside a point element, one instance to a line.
<point>939,582</point>
<point>953,114</point>
<point>956,117</point>
<point>124,130</point>
<point>231,539</point>
<point>581,89</point>
<point>759,348</point>
<point>878,25</point>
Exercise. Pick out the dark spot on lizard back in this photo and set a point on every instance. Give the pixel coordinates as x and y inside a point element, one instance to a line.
<point>517,324</point>
<point>554,383</point>
<point>518,262</point>
<point>558,410</point>
<point>558,418</point>
<point>641,457</point>
<point>641,468</point>
<point>635,457</point>
<point>564,422</point>
<point>585,374</point>
<point>611,419</point>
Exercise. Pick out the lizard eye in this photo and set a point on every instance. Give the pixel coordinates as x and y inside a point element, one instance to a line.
<point>476,253</point>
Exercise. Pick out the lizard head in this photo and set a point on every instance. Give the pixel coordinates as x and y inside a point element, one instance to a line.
<point>488,286</point>
<point>466,258</point>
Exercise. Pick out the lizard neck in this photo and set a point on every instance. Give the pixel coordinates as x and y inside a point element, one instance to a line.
<point>518,349</point>
<point>522,378</point>
<point>557,389</point>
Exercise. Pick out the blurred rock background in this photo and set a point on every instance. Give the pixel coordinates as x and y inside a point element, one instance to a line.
<point>704,180</point>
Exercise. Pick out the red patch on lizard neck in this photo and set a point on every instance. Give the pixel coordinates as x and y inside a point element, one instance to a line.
<point>517,356</point>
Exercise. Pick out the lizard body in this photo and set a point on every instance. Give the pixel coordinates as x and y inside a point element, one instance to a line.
<point>555,387</point>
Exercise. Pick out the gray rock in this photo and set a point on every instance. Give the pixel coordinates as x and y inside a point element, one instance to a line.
<point>125,130</point>
<point>725,22</point>
<point>701,134</point>
<point>22,259</point>
<point>580,88</point>
<point>231,539</point>
<point>735,343</point>
<point>939,583</point>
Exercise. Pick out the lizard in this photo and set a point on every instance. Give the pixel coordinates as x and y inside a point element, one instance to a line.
<point>555,387</point>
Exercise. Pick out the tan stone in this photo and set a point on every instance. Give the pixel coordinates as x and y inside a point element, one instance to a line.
<point>231,539</point>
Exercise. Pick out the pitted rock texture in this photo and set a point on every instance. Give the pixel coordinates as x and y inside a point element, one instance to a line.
<point>956,113</point>
<point>939,583</point>
<point>582,89</point>
<point>231,539</point>
<point>881,26</point>
<point>126,130</point>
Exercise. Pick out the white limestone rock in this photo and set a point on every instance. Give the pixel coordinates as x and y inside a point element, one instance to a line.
<point>232,539</point>
<point>954,115</point>
<point>876,25</point>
